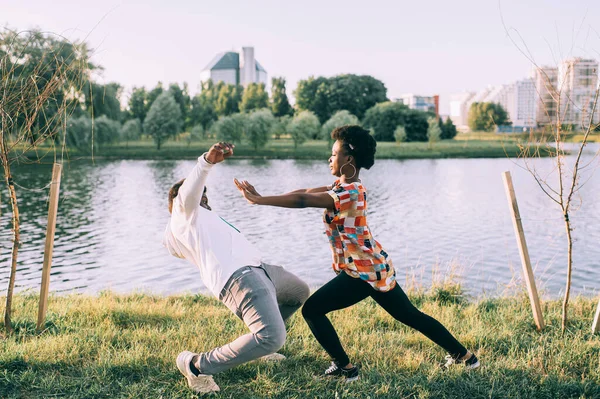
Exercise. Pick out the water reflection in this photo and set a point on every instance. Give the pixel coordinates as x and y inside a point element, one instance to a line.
<point>428,214</point>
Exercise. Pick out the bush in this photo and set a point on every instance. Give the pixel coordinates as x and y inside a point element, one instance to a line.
<point>448,130</point>
<point>132,130</point>
<point>197,133</point>
<point>340,118</point>
<point>258,127</point>
<point>416,125</point>
<point>105,130</point>
<point>434,132</point>
<point>400,134</point>
<point>280,126</point>
<point>305,125</point>
<point>230,128</point>
<point>384,118</point>
<point>79,133</point>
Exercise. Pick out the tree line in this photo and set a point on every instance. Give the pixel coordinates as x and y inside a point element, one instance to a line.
<point>225,111</point>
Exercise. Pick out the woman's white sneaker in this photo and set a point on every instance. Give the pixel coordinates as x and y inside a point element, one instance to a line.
<point>470,363</point>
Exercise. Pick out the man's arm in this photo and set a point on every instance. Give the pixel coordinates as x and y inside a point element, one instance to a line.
<point>190,192</point>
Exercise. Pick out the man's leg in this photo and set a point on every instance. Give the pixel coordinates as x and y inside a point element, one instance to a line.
<point>251,296</point>
<point>290,290</point>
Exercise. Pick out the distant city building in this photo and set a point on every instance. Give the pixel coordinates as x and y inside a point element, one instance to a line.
<point>235,68</point>
<point>519,101</point>
<point>523,110</point>
<point>421,103</point>
<point>461,104</point>
<point>534,102</point>
<point>479,97</point>
<point>459,112</point>
<point>578,82</point>
<point>546,84</point>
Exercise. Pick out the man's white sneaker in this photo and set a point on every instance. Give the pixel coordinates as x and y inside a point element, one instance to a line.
<point>201,383</point>
<point>273,357</point>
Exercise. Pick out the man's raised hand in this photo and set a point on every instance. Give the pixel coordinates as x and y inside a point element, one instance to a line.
<point>219,152</point>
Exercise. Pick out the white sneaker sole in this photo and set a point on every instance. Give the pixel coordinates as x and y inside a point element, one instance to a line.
<point>473,366</point>
<point>200,384</point>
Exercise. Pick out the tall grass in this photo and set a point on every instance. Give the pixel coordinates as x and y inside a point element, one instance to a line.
<point>115,346</point>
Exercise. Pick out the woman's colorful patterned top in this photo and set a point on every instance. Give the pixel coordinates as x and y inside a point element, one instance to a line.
<point>354,249</point>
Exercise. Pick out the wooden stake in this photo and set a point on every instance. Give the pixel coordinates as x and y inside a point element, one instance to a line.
<point>522,244</point>
<point>596,324</point>
<point>49,247</point>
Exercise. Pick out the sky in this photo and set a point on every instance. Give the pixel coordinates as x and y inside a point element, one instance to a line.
<point>421,47</point>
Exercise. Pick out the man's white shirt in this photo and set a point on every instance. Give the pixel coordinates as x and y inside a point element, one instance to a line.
<point>203,238</point>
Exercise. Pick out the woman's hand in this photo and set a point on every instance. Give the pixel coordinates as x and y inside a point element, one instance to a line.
<point>248,191</point>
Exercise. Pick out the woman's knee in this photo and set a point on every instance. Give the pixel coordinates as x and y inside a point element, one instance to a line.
<point>312,309</point>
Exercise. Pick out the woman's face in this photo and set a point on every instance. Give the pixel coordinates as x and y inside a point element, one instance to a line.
<point>338,159</point>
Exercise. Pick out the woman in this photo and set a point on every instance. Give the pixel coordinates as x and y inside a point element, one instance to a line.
<point>363,268</point>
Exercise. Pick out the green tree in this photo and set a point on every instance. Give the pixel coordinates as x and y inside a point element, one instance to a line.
<point>434,132</point>
<point>400,134</point>
<point>228,99</point>
<point>280,105</point>
<point>79,133</point>
<point>137,104</point>
<point>85,133</point>
<point>203,106</point>
<point>486,116</point>
<point>255,97</point>
<point>106,130</point>
<point>48,64</point>
<point>448,130</point>
<point>230,128</point>
<point>305,125</point>
<point>153,95</point>
<point>197,133</point>
<point>340,118</point>
<point>384,118</point>
<point>416,125</point>
<point>280,126</point>
<point>325,96</point>
<point>311,96</point>
<point>131,131</point>
<point>40,81</point>
<point>182,98</point>
<point>103,100</point>
<point>259,126</point>
<point>163,119</point>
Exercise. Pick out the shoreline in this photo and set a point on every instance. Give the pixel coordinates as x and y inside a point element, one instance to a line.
<point>283,149</point>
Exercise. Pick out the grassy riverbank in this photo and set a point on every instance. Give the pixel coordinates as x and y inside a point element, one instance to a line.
<point>284,149</point>
<point>115,346</point>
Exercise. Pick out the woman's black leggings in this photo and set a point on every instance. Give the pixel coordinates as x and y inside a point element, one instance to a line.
<point>344,291</point>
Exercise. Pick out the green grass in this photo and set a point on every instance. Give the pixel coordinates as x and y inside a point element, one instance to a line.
<point>284,149</point>
<point>113,346</point>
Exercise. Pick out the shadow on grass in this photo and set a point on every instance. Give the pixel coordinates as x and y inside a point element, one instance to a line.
<point>124,319</point>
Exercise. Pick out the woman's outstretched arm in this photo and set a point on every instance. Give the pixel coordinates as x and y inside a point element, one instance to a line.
<point>311,190</point>
<point>291,200</point>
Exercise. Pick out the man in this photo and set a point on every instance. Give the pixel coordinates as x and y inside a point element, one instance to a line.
<point>262,295</point>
